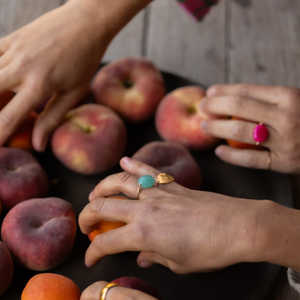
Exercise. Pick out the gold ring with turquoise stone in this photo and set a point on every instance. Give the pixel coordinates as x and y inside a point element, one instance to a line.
<point>148,181</point>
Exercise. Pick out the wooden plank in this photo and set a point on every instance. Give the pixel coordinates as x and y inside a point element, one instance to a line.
<point>17,13</point>
<point>265,43</point>
<point>179,44</point>
<point>128,41</point>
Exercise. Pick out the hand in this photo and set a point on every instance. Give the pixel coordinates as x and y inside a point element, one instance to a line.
<point>184,230</point>
<point>92,292</point>
<point>278,108</point>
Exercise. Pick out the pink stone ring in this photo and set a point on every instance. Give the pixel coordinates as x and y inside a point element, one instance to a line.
<point>260,133</point>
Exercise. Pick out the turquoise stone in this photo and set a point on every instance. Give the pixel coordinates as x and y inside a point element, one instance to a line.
<point>146,181</point>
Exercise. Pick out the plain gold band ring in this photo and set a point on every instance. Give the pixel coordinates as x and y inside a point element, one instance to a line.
<point>105,290</point>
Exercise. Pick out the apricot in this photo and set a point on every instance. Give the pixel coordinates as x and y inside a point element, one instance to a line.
<point>104,226</point>
<point>22,136</point>
<point>50,286</point>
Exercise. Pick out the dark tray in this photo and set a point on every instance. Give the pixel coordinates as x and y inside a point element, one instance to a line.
<point>246,281</point>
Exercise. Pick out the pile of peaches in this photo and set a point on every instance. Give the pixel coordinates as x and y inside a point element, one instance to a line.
<point>91,140</point>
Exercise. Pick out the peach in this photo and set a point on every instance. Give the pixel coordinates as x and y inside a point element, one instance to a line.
<point>50,286</point>
<point>91,140</point>
<point>104,225</point>
<point>21,138</point>
<point>137,284</point>
<point>132,87</point>
<point>6,268</point>
<point>173,159</point>
<point>5,98</point>
<point>21,177</point>
<point>39,233</point>
<point>178,119</point>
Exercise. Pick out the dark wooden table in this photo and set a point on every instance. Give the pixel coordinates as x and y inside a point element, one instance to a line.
<point>239,41</point>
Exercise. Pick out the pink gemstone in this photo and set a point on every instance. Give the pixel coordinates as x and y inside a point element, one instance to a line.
<point>260,133</point>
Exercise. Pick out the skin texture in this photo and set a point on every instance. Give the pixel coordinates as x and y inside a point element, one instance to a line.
<point>40,233</point>
<point>177,119</point>
<point>227,230</point>
<point>91,140</point>
<point>50,286</point>
<point>173,159</point>
<point>21,177</point>
<point>116,293</point>
<point>104,225</point>
<point>6,268</point>
<point>137,284</point>
<point>132,87</point>
<point>46,59</point>
<point>277,107</point>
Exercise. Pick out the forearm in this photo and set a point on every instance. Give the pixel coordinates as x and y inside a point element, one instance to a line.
<point>278,236</point>
<point>109,16</point>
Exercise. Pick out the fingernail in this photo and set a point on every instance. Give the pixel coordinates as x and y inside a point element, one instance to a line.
<point>211,92</point>
<point>219,151</point>
<point>203,126</point>
<point>201,105</point>
<point>144,264</point>
<point>126,159</point>
<point>91,194</point>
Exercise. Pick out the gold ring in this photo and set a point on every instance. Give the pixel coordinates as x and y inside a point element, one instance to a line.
<point>148,181</point>
<point>269,161</point>
<point>105,290</point>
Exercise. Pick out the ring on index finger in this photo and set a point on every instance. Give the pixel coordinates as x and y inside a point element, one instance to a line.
<point>148,181</point>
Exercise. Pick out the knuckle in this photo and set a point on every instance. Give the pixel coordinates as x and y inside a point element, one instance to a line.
<point>140,233</point>
<point>244,90</point>
<point>236,104</point>
<point>7,119</point>
<point>291,96</point>
<point>98,242</point>
<point>238,129</point>
<point>123,179</point>
<point>97,205</point>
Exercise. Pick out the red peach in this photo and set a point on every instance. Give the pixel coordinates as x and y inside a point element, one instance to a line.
<point>6,268</point>
<point>173,159</point>
<point>91,140</point>
<point>132,87</point>
<point>39,233</point>
<point>21,177</point>
<point>50,286</point>
<point>137,284</point>
<point>178,119</point>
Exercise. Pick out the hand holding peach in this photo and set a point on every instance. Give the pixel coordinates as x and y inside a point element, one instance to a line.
<point>171,223</point>
<point>276,107</point>
<point>40,233</point>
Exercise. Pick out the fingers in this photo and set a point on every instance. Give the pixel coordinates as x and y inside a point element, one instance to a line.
<point>246,158</point>
<point>239,130</point>
<point>93,291</point>
<point>265,93</point>
<point>109,209</point>
<point>245,108</point>
<point>54,112</point>
<point>16,111</point>
<point>111,242</point>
